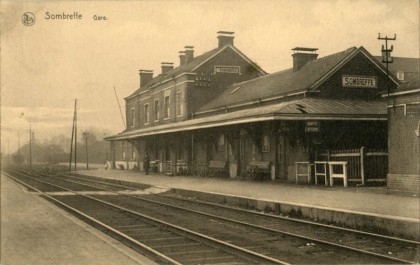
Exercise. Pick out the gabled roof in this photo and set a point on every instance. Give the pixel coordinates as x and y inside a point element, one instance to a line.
<point>278,83</point>
<point>309,77</point>
<point>410,87</point>
<point>302,109</point>
<point>403,64</point>
<point>411,84</point>
<point>193,65</point>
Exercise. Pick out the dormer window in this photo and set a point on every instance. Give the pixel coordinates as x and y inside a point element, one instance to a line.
<point>400,75</point>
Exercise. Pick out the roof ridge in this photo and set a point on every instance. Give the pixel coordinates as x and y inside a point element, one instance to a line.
<point>348,50</point>
<point>161,77</point>
<point>261,77</point>
<point>180,66</point>
<point>402,57</point>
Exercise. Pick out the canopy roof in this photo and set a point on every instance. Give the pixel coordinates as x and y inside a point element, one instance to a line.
<point>301,109</point>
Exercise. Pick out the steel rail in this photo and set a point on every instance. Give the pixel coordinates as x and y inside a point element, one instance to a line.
<point>269,216</point>
<point>156,254</point>
<point>177,228</point>
<point>285,232</point>
<point>279,231</point>
<point>268,229</point>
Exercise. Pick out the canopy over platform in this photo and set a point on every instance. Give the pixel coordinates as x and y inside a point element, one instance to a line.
<point>302,109</point>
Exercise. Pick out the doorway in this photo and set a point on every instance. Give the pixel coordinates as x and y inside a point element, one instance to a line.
<point>281,157</point>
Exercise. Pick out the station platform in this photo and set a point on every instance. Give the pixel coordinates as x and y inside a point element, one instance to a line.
<point>378,208</point>
<point>34,231</point>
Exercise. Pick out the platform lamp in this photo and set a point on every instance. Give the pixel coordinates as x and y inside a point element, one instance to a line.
<point>86,136</point>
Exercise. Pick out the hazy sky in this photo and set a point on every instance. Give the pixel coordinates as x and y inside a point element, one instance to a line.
<point>44,67</point>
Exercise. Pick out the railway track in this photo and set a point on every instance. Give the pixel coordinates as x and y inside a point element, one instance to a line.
<point>274,237</point>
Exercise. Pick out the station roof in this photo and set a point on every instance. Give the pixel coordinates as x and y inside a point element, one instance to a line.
<point>288,81</point>
<point>191,66</point>
<point>301,109</point>
<point>403,64</point>
<point>410,87</point>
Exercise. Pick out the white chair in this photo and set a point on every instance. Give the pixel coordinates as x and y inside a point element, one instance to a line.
<point>342,174</point>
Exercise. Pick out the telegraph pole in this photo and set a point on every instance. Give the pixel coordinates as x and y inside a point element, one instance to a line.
<point>119,106</point>
<point>75,135</point>
<point>73,130</point>
<point>386,55</point>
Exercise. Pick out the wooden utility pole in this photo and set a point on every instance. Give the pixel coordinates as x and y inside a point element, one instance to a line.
<point>75,135</point>
<point>119,106</point>
<point>386,55</point>
<point>73,130</point>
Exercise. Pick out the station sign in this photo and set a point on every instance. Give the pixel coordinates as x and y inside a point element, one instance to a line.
<point>359,81</point>
<point>312,126</point>
<point>227,69</point>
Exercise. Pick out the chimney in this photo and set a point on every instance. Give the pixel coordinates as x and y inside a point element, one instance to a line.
<point>166,67</point>
<point>145,77</point>
<point>225,38</point>
<point>189,54</point>
<point>302,56</point>
<point>182,58</point>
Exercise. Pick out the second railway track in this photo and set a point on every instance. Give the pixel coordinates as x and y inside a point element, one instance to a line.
<point>282,240</point>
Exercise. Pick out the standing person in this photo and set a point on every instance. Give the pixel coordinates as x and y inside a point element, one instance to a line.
<point>106,165</point>
<point>146,163</point>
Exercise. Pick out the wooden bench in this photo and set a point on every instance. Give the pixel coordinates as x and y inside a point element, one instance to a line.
<point>258,169</point>
<point>180,168</point>
<point>215,166</point>
<point>154,166</point>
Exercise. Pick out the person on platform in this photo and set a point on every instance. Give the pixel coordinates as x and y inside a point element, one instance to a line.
<point>146,163</point>
<point>106,165</point>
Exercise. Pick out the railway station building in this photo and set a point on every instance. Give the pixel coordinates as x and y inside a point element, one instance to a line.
<point>404,136</point>
<point>221,113</point>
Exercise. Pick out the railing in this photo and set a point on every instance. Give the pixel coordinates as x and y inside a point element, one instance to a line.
<point>363,165</point>
<point>182,168</point>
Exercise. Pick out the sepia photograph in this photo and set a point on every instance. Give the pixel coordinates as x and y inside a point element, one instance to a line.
<point>210,132</point>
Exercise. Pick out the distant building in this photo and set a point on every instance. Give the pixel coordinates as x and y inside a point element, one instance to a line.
<point>404,137</point>
<point>403,68</point>
<point>221,109</point>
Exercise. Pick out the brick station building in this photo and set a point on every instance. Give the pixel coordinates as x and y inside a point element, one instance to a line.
<point>222,107</point>
<point>404,136</point>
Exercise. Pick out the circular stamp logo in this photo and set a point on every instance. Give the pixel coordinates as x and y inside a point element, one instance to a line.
<point>28,19</point>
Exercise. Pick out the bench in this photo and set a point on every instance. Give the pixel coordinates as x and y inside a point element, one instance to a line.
<point>154,166</point>
<point>180,168</point>
<point>198,169</point>
<point>258,169</point>
<point>215,166</point>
